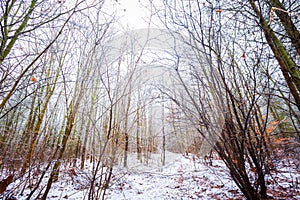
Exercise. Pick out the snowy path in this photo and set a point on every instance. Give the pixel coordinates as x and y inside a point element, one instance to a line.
<point>181,179</point>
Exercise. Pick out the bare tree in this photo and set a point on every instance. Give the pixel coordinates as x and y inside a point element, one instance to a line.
<point>225,90</point>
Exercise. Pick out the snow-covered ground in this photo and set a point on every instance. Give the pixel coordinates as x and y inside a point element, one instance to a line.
<point>183,177</point>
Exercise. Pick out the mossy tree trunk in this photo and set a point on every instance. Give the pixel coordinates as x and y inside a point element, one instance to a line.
<point>287,65</point>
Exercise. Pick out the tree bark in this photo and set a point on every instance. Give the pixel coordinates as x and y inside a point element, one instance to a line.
<point>288,24</point>
<point>287,65</point>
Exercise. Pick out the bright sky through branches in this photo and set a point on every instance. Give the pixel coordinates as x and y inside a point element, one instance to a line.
<point>133,14</point>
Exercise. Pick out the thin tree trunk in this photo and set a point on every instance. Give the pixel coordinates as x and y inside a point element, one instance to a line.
<point>138,129</point>
<point>163,132</point>
<point>126,129</point>
<point>164,147</point>
<point>286,21</point>
<point>287,66</point>
<point>48,94</point>
<point>70,124</point>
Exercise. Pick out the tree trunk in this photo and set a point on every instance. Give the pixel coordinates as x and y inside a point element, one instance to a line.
<point>69,127</point>
<point>126,127</point>
<point>287,23</point>
<point>287,66</point>
<point>138,129</point>
<point>126,149</point>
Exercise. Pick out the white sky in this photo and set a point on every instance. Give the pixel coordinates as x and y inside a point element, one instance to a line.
<point>133,14</point>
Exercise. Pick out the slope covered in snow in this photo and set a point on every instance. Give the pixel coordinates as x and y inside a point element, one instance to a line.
<point>183,177</point>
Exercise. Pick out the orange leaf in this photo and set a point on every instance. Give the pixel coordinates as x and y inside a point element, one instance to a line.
<point>274,122</point>
<point>270,129</point>
<point>33,79</point>
<point>281,140</point>
<point>253,169</point>
<point>219,10</point>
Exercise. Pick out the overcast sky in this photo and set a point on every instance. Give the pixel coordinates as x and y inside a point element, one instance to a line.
<point>132,13</point>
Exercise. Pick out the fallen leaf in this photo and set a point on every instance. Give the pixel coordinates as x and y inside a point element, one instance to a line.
<point>5,182</point>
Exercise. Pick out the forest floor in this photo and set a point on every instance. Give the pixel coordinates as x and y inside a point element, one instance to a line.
<point>183,177</point>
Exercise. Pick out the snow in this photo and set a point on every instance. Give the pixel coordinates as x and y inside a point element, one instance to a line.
<point>183,177</point>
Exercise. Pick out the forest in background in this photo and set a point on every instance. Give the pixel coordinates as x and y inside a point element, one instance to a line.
<point>223,79</point>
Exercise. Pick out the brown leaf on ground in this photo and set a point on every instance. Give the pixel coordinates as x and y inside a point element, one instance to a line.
<point>234,191</point>
<point>72,172</point>
<point>5,182</point>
